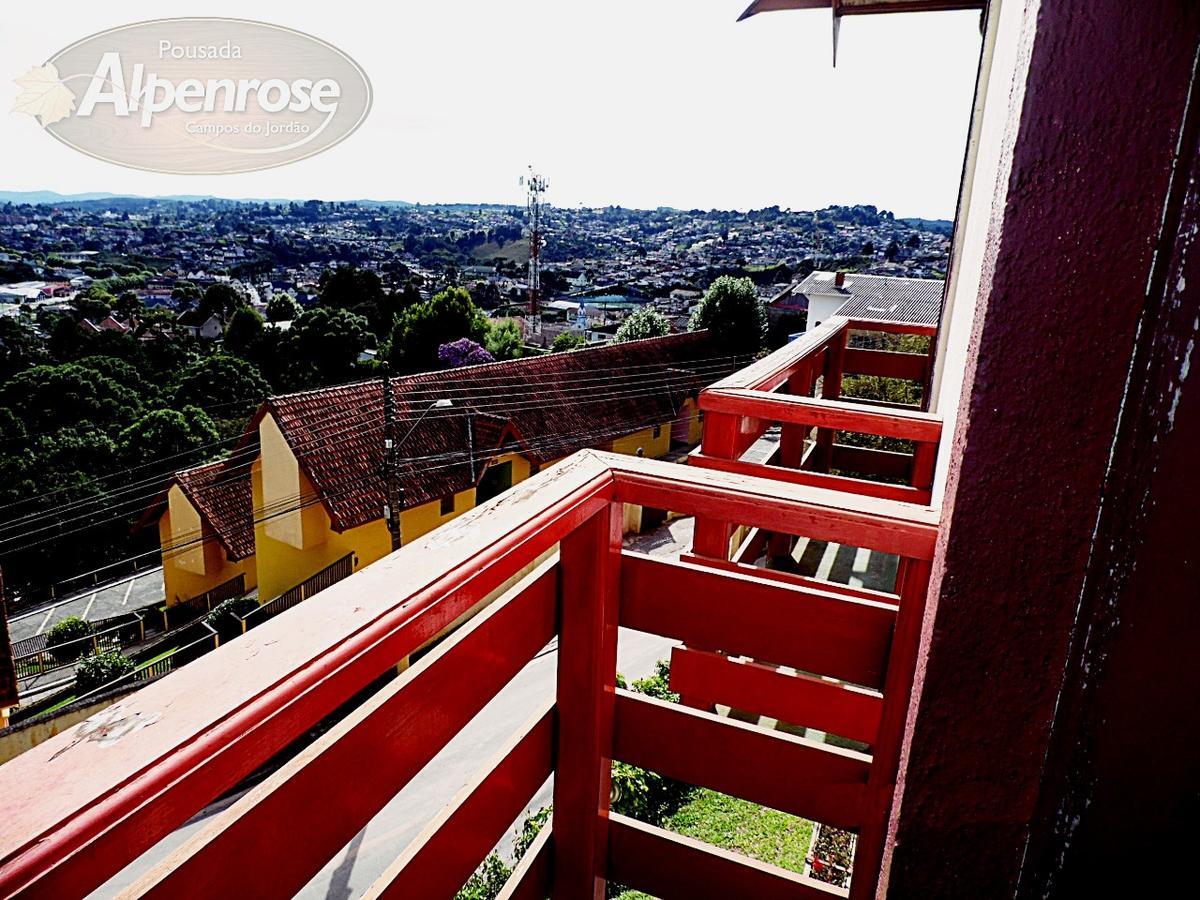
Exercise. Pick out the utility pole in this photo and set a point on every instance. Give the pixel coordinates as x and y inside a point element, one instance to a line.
<point>391,477</point>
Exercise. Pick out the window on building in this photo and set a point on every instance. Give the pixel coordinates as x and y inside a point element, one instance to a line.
<point>447,505</point>
<point>657,432</point>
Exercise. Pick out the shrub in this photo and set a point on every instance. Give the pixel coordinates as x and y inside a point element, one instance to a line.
<point>566,341</point>
<point>101,668</point>
<point>226,615</point>
<point>59,638</point>
<point>646,322</point>
<point>732,312</point>
<point>463,352</point>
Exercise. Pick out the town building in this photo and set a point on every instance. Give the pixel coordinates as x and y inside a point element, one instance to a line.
<point>307,488</point>
<point>823,294</point>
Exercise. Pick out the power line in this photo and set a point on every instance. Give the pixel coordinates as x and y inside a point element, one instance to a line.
<point>660,384</point>
<point>410,391</point>
<point>139,500</point>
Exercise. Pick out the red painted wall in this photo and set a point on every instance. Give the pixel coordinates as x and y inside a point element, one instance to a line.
<point>1064,288</point>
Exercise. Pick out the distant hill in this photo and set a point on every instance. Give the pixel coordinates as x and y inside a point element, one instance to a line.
<point>942,226</point>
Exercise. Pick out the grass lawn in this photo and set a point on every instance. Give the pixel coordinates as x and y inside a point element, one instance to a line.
<point>756,831</point>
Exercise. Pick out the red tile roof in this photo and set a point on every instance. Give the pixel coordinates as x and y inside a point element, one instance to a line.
<point>221,493</point>
<point>544,406</point>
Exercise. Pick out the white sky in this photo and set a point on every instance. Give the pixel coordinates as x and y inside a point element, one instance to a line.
<point>633,102</point>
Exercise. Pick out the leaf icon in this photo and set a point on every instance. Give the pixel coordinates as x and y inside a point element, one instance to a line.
<point>43,95</point>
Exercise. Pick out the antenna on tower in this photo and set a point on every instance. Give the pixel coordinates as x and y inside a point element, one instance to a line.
<point>535,186</point>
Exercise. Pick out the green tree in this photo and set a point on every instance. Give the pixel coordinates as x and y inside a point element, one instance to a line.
<point>100,669</point>
<point>20,346</point>
<point>504,340</point>
<point>732,312</point>
<point>447,316</point>
<point>362,292</point>
<point>567,340</point>
<point>179,438</point>
<point>49,397</point>
<point>220,300</point>
<point>323,346</point>
<point>94,303</point>
<point>226,617</point>
<point>127,305</point>
<point>222,382</point>
<point>65,640</point>
<point>245,328</point>
<point>646,322</point>
<point>282,308</point>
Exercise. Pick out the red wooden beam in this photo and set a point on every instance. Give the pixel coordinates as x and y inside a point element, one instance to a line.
<point>886,364</point>
<point>883,525</point>
<point>919,328</point>
<point>711,535</point>
<point>824,413</point>
<point>533,876</point>
<point>869,461</point>
<point>590,563</point>
<point>665,864</point>
<point>803,628</point>
<point>795,699</point>
<point>831,389</point>
<point>334,787</point>
<point>881,787</point>
<point>773,370</point>
<point>899,492</point>
<point>210,731</point>
<point>439,861</point>
<point>792,579</point>
<point>788,773</point>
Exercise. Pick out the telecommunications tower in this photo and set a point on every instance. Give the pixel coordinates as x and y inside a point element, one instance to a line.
<point>535,186</point>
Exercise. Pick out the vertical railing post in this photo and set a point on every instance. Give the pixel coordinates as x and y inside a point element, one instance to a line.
<point>831,389</point>
<point>711,538</point>
<point>912,585</point>
<point>589,582</point>
<point>791,450</point>
<point>924,455</point>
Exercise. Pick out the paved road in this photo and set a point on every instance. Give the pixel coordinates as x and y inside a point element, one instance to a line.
<point>99,602</point>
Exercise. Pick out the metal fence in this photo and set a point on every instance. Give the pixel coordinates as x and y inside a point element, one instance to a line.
<point>194,607</point>
<point>34,656</point>
<point>331,574</point>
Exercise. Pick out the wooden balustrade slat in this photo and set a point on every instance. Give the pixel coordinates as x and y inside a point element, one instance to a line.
<point>334,786</point>
<point>796,699</point>
<point>439,860</point>
<point>791,774</point>
<point>665,864</point>
<point>819,632</point>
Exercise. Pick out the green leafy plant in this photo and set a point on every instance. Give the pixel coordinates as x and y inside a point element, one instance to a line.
<point>646,322</point>
<point>226,616</point>
<point>101,668</point>
<point>65,640</point>
<point>567,340</point>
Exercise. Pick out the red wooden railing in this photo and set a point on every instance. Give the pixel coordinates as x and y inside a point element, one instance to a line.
<point>739,409</point>
<point>75,810</point>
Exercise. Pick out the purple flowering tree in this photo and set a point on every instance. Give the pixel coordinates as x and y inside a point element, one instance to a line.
<point>463,352</point>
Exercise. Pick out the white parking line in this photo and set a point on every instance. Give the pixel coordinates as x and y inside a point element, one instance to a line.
<point>45,621</point>
<point>87,609</point>
<point>128,591</point>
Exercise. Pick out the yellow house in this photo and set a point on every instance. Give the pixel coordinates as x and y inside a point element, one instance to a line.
<point>205,530</point>
<point>316,489</point>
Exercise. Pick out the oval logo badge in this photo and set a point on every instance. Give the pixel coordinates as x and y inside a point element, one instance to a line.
<point>203,96</point>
